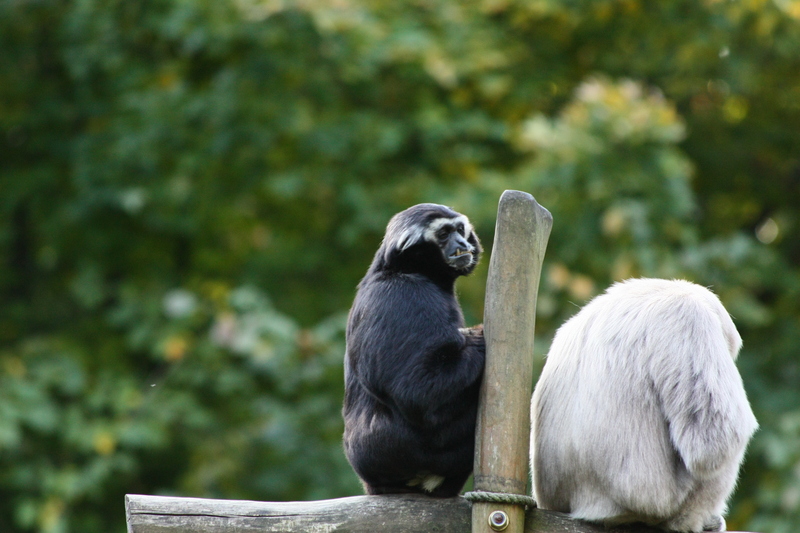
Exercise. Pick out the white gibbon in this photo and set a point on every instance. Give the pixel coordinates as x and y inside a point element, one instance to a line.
<point>640,414</point>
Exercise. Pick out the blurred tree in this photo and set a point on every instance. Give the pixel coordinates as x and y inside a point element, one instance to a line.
<point>161,160</point>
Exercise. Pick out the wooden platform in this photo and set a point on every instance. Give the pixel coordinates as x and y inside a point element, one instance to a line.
<point>356,514</point>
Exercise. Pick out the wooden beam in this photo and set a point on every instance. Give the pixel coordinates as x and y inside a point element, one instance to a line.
<point>502,435</point>
<point>395,513</point>
<point>357,514</point>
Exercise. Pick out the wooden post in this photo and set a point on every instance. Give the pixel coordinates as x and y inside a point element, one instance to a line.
<point>503,428</point>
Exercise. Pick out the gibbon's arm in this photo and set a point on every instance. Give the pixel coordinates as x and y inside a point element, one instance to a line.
<point>702,396</point>
<point>419,357</point>
<point>442,381</point>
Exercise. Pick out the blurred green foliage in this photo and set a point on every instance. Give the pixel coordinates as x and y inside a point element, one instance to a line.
<point>190,191</point>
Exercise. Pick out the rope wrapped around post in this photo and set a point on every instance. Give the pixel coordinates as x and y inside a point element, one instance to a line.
<point>500,497</point>
<point>503,427</point>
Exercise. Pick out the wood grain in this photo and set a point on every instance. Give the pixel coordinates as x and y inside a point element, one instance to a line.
<point>503,427</point>
<point>357,514</point>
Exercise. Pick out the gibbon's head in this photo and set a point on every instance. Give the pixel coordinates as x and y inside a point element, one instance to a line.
<point>430,236</point>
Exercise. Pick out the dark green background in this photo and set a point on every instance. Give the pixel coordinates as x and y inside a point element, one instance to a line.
<point>191,189</point>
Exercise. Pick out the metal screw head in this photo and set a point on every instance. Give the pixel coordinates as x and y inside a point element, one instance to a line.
<point>498,520</point>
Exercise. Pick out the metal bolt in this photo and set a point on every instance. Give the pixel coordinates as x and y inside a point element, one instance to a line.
<point>498,520</point>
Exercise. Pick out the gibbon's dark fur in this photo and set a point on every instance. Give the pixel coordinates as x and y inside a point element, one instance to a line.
<point>412,371</point>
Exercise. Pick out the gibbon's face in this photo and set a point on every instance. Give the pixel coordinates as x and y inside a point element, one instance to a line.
<point>450,231</point>
<point>452,235</point>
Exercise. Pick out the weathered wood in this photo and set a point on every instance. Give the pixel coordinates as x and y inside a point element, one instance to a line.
<point>395,513</point>
<point>503,428</point>
<point>386,514</point>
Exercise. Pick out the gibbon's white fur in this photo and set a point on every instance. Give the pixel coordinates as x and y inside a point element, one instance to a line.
<point>640,414</point>
<point>401,233</point>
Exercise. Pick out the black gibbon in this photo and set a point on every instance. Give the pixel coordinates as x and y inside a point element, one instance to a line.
<point>412,371</point>
<point>640,414</point>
